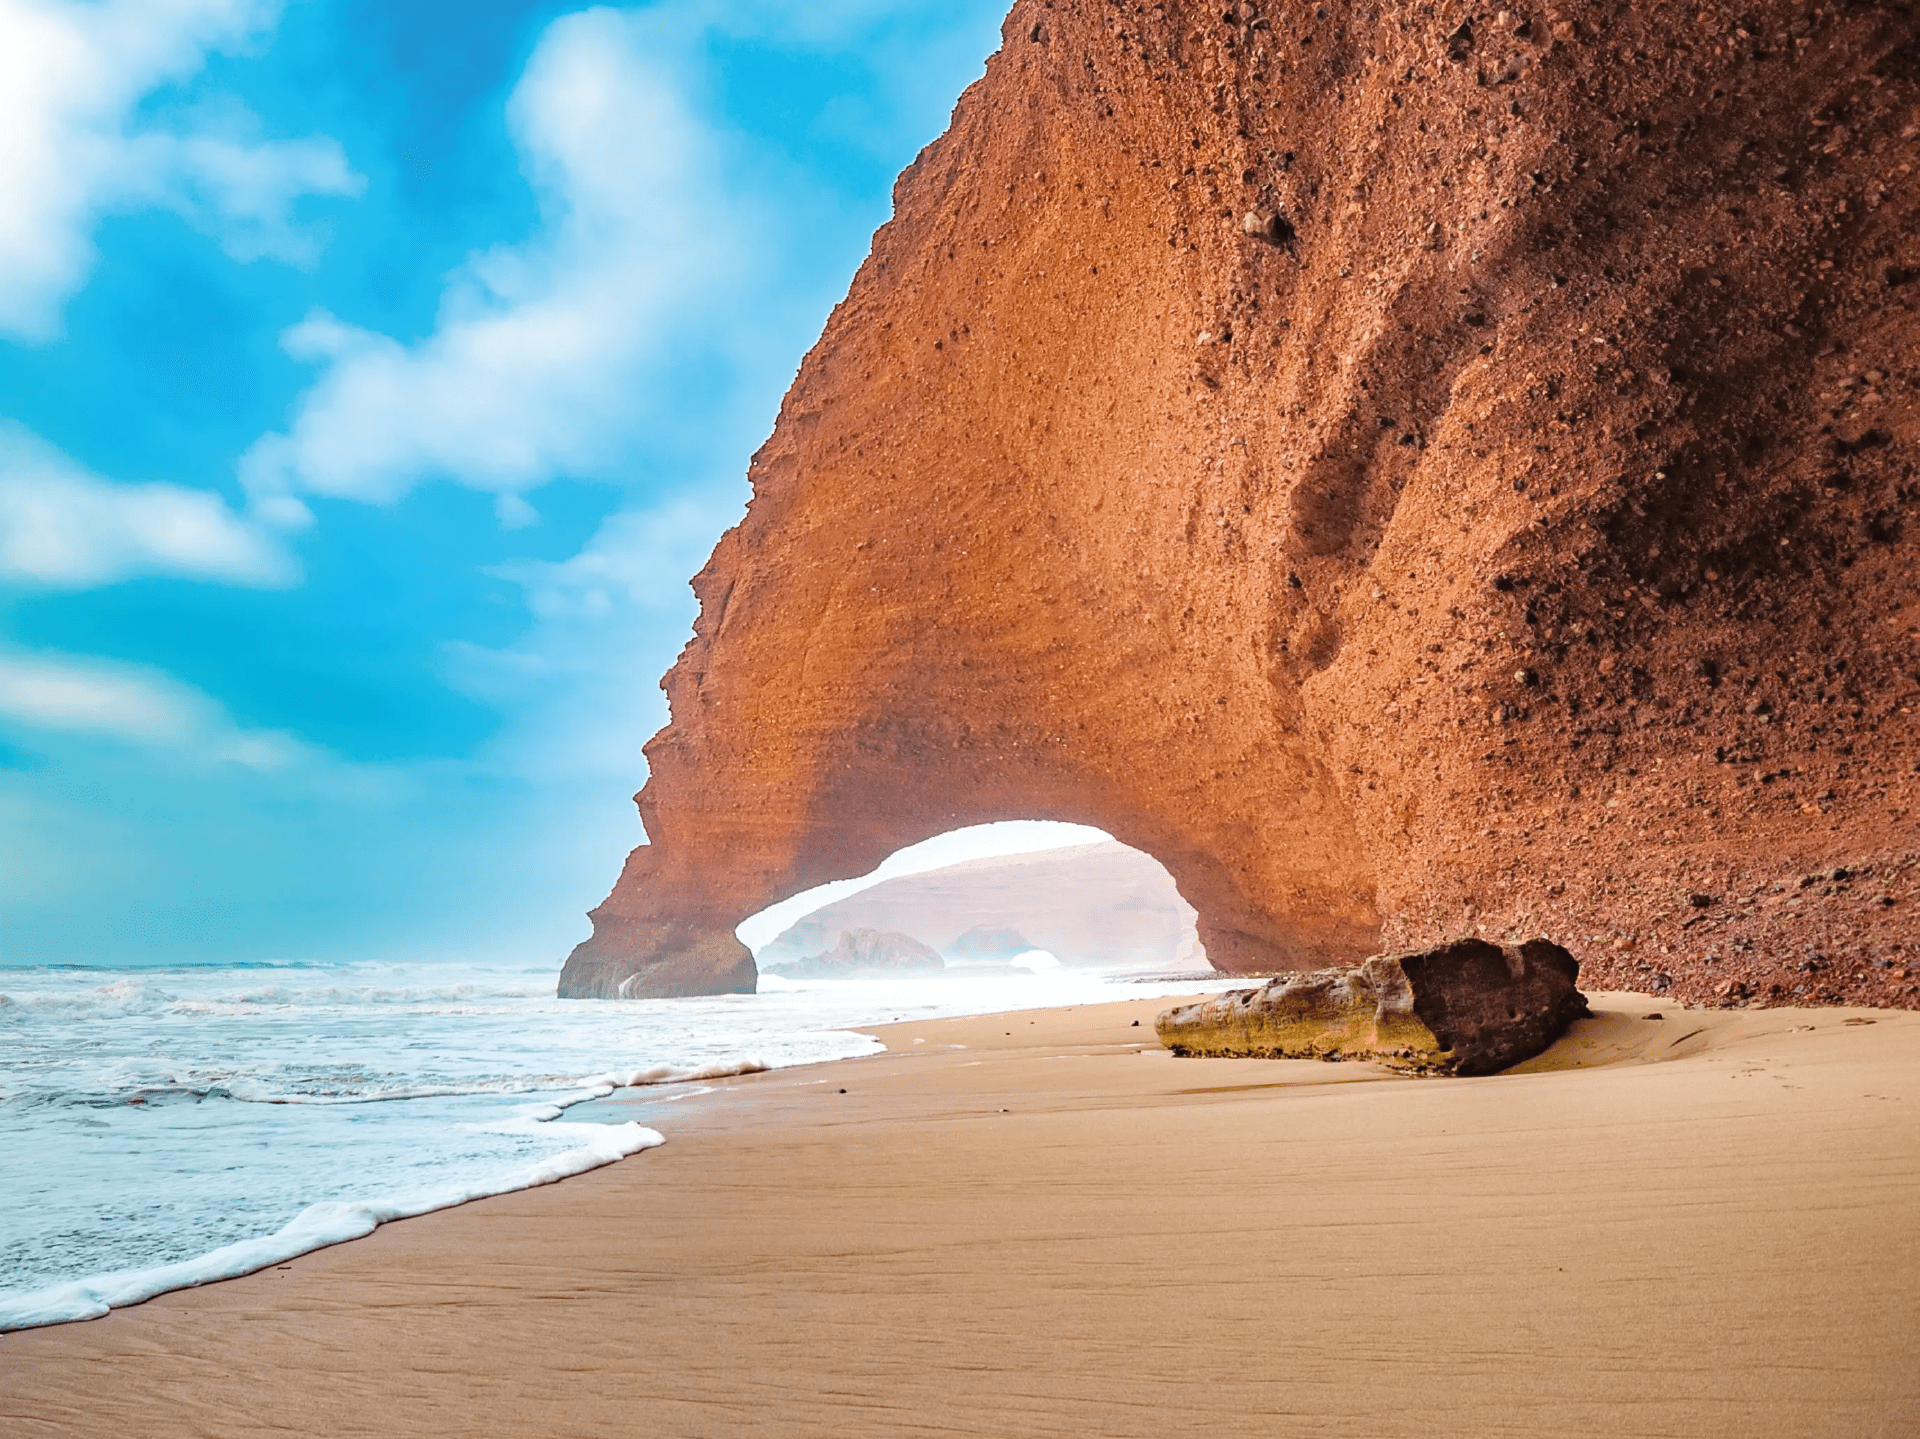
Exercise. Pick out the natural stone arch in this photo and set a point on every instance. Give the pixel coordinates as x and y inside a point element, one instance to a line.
<point>835,800</point>
<point>1412,568</point>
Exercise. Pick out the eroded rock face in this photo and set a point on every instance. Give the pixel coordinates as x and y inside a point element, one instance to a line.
<point>1464,1008</point>
<point>1512,529</point>
<point>868,952</point>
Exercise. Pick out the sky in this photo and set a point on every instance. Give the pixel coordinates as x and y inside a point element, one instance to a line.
<point>373,375</point>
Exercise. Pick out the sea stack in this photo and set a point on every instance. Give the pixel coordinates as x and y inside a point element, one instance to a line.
<point>1411,470</point>
<point>866,953</point>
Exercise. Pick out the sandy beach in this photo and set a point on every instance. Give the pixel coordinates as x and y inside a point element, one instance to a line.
<point>1041,1224</point>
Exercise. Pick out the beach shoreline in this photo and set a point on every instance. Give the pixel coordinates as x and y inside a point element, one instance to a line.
<point>1040,1222</point>
<point>175,1129</point>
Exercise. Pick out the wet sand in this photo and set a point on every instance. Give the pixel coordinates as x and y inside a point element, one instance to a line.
<point>1706,1224</point>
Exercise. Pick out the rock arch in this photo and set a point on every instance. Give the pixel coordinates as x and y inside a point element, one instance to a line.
<point>831,804</point>
<point>1408,568</point>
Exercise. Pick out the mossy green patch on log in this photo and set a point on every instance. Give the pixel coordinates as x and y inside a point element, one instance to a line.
<point>1466,1008</point>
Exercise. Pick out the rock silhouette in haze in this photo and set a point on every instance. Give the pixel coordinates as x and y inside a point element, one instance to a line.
<point>867,953</point>
<point>1088,904</point>
<point>1520,539</point>
<point>987,943</point>
<point>1465,1008</point>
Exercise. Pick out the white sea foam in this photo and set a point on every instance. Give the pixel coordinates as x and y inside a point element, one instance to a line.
<point>166,1128</point>
<point>315,1227</point>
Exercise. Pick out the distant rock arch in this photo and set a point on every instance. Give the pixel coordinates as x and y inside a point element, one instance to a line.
<point>1096,903</point>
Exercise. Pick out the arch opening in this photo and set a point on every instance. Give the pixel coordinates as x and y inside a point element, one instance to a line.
<point>983,900</point>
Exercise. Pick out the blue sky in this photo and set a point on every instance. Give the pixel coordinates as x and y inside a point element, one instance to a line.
<point>372,378</point>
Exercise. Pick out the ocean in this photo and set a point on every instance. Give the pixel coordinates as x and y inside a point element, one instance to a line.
<point>161,1128</point>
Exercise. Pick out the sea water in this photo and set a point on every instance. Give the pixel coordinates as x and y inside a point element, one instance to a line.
<point>161,1128</point>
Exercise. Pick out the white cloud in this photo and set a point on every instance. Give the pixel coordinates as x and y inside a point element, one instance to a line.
<point>64,528</point>
<point>244,191</point>
<point>658,275</point>
<point>133,705</point>
<point>537,364</point>
<point>658,248</point>
<point>72,76</point>
<point>513,512</point>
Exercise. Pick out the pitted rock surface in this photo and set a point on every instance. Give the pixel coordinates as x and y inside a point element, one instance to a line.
<point>1511,529</point>
<point>1464,1008</point>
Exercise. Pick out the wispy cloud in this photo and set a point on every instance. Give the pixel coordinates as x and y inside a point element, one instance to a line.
<point>659,254</point>
<point>537,363</point>
<point>73,76</point>
<point>240,189</point>
<point>578,684</point>
<point>637,560</point>
<point>62,527</point>
<point>131,705</point>
<point>653,284</point>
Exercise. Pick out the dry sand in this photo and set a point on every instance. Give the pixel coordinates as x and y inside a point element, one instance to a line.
<point>1697,1225</point>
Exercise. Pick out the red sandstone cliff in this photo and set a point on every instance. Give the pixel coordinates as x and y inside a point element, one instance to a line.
<point>1412,469</point>
<point>1095,904</point>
